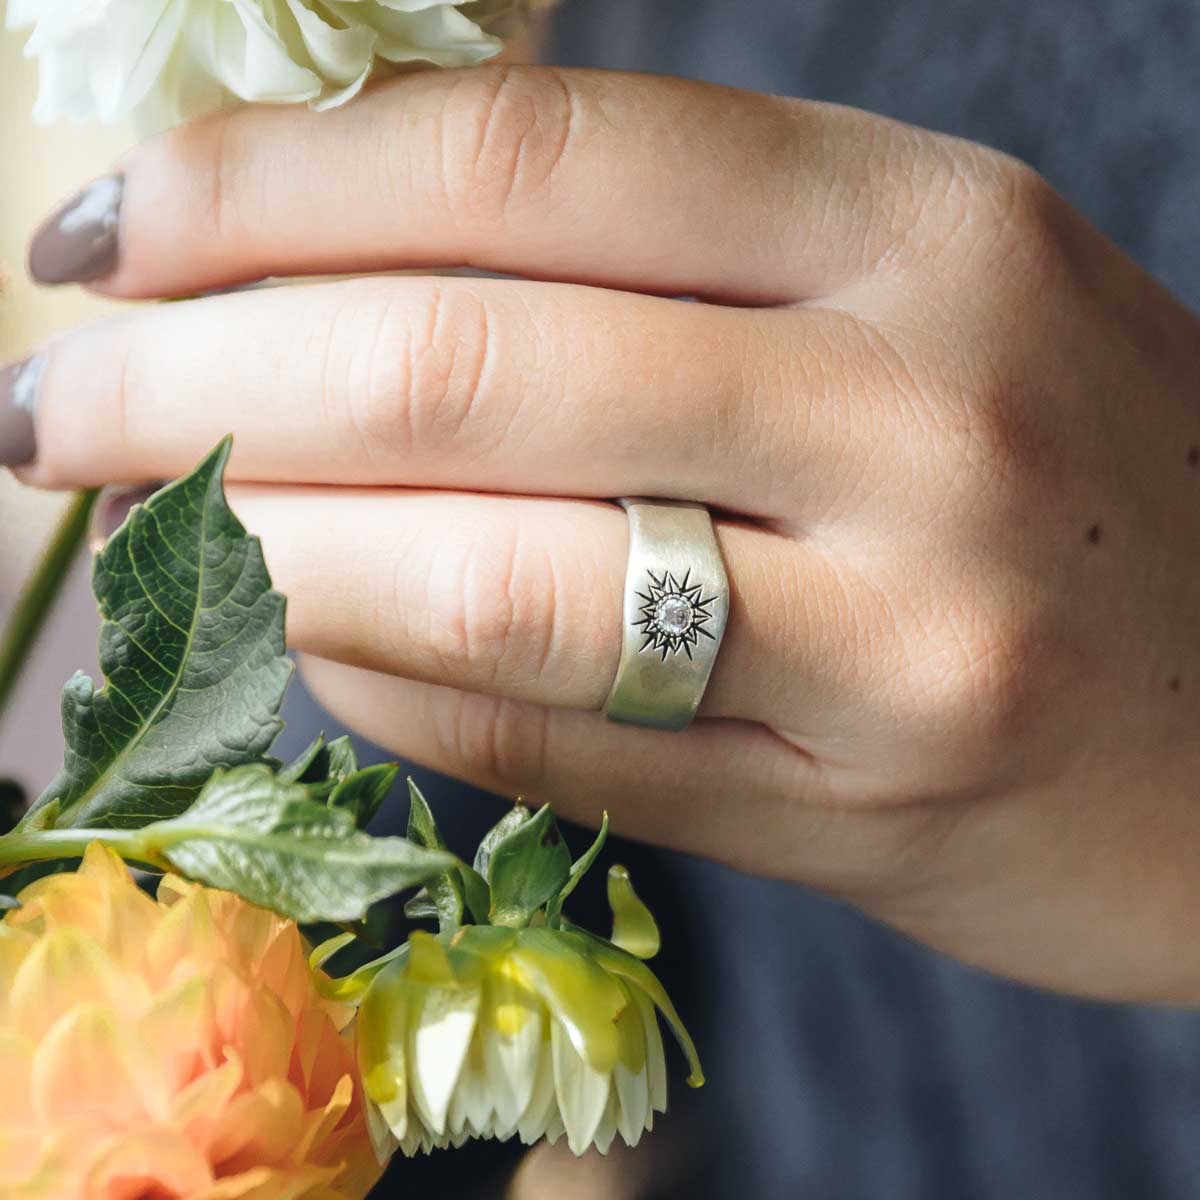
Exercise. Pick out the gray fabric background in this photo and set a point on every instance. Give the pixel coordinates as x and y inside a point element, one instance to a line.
<point>846,1064</point>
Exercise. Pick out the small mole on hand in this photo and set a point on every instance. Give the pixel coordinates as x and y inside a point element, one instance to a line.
<point>1174,683</point>
<point>1095,534</point>
<point>1193,458</point>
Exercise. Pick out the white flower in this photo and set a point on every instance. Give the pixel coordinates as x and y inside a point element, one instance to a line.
<point>501,1032</point>
<point>165,61</point>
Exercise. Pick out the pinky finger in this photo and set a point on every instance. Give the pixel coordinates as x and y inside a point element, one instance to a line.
<point>726,790</point>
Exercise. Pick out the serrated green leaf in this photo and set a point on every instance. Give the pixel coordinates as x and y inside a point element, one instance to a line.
<point>271,843</point>
<point>634,928</point>
<point>445,893</point>
<point>512,820</point>
<point>294,772</point>
<point>579,869</point>
<point>528,867</point>
<point>362,793</point>
<point>192,649</point>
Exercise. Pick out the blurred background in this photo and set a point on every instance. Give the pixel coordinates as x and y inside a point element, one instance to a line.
<point>38,167</point>
<point>844,1063</point>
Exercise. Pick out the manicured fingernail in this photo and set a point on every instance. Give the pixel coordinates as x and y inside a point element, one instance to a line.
<point>18,398</point>
<point>79,243</point>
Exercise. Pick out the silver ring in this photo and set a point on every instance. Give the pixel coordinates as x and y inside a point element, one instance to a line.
<point>676,608</point>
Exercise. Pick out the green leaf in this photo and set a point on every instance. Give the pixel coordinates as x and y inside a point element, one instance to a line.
<point>477,892</point>
<point>296,770</point>
<point>362,793</point>
<point>445,893</point>
<point>634,928</point>
<point>422,907</point>
<point>193,651</point>
<point>530,866</point>
<point>512,820</point>
<point>338,760</point>
<point>270,842</point>
<point>579,869</point>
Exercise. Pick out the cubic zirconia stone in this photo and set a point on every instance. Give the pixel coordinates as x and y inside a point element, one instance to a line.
<point>674,615</point>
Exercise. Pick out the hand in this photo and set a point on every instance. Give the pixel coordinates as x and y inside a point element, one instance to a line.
<point>954,433</point>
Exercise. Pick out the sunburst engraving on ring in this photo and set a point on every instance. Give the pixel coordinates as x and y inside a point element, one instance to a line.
<point>674,614</point>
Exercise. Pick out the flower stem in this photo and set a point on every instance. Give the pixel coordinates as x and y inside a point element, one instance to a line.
<point>37,597</point>
<point>46,845</point>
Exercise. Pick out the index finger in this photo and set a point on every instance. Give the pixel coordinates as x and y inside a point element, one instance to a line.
<point>638,182</point>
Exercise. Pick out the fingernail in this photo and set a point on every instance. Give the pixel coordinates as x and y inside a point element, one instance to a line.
<point>78,243</point>
<point>18,399</point>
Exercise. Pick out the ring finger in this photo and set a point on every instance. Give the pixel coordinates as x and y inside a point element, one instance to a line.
<point>521,598</point>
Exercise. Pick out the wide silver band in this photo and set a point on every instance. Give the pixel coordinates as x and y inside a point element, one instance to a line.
<point>676,607</point>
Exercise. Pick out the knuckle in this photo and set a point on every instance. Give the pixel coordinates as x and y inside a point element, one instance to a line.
<point>495,742</point>
<point>212,150</point>
<point>1008,453</point>
<point>506,130</point>
<point>421,367</point>
<point>498,614</point>
<point>1024,227</point>
<point>976,679</point>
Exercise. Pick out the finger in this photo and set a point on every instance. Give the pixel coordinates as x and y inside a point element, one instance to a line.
<point>480,385</point>
<point>523,598</point>
<point>638,182</point>
<point>726,790</point>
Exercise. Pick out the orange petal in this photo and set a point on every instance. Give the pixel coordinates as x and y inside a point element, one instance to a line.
<point>93,1067</point>
<point>16,1070</point>
<point>64,967</point>
<point>304,1183</point>
<point>198,1111</point>
<point>148,1163</point>
<point>259,1128</point>
<point>179,1029</point>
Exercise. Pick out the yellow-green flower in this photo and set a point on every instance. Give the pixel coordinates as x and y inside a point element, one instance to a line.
<point>535,1032</point>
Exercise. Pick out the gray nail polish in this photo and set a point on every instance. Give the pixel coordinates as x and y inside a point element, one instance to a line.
<point>79,243</point>
<point>18,398</point>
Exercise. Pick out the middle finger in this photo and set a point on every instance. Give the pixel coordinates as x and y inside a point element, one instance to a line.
<point>486,385</point>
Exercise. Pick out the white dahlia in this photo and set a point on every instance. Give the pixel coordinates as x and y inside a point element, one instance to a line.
<point>164,61</point>
<point>501,1032</point>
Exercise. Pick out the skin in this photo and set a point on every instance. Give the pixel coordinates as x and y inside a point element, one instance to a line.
<point>953,435</point>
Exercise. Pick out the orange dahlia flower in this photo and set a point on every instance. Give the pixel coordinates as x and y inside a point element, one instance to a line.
<point>170,1048</point>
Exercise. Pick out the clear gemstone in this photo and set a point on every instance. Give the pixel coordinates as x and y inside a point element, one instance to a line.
<point>674,615</point>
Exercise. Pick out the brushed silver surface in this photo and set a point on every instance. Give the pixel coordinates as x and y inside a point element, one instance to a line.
<point>675,611</point>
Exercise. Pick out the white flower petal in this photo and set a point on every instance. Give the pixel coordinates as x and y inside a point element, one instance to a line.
<point>555,1127</point>
<point>582,1092</point>
<point>440,1044</point>
<point>136,44</point>
<point>511,1039</point>
<point>632,1089</point>
<point>340,53</point>
<point>472,1107</point>
<point>607,1129</point>
<point>656,1059</point>
<point>542,1100</point>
